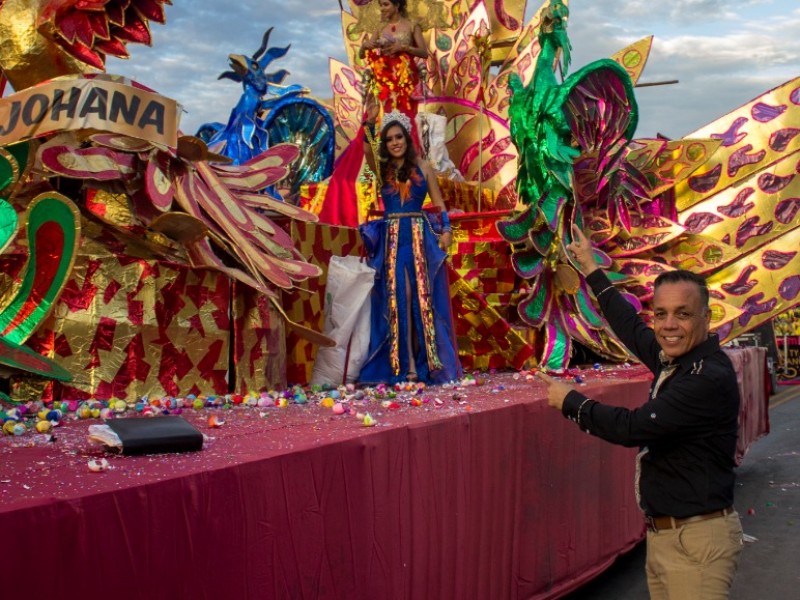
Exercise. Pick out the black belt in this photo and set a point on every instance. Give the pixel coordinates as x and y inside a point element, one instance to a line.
<point>661,523</point>
<point>401,215</point>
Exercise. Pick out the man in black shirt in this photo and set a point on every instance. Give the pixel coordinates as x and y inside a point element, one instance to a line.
<point>686,431</point>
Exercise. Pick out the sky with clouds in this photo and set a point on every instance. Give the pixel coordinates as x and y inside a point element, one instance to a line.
<point>723,52</point>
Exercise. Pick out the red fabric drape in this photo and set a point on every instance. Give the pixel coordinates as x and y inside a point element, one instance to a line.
<point>340,205</point>
<point>497,498</point>
<point>750,366</point>
<point>494,495</point>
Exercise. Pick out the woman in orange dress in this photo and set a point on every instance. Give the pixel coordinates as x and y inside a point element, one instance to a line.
<point>391,54</point>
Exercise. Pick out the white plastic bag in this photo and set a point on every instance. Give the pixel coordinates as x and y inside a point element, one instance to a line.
<point>432,129</point>
<point>347,320</point>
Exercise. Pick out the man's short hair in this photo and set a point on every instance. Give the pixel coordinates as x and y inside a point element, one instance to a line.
<point>683,275</point>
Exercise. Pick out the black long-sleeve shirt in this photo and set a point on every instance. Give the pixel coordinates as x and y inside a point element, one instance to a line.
<point>688,427</point>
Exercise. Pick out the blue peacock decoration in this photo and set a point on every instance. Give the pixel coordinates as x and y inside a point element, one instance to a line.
<point>269,113</point>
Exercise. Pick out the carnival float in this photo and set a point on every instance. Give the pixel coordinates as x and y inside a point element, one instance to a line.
<point>147,270</point>
<point>178,273</point>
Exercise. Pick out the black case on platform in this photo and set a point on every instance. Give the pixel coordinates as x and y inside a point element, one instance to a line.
<point>154,435</point>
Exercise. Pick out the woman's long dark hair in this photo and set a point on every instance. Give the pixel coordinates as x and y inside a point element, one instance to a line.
<point>401,7</point>
<point>387,168</point>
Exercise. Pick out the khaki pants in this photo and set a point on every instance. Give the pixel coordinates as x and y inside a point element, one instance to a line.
<point>694,562</point>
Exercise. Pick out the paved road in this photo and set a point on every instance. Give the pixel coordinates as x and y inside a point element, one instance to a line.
<point>768,500</point>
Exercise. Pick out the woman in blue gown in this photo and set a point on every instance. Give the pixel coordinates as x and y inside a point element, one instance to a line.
<point>412,336</point>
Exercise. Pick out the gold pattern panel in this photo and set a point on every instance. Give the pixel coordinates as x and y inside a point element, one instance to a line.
<point>480,147</point>
<point>304,304</point>
<point>754,213</point>
<point>506,19</point>
<point>633,58</point>
<point>347,105</point>
<point>762,284</point>
<point>753,137</point>
<point>693,252</point>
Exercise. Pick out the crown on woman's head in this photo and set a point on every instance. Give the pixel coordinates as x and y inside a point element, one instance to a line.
<point>396,116</point>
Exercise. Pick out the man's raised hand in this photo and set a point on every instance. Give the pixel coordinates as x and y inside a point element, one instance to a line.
<point>580,251</point>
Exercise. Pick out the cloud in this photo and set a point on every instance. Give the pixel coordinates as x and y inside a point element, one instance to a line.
<point>723,52</point>
<point>192,49</point>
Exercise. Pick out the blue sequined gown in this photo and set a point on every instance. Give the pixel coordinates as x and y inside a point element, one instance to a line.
<point>402,245</point>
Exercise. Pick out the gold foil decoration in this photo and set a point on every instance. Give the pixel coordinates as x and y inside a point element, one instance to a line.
<point>488,341</point>
<point>312,196</point>
<point>261,342</point>
<point>319,242</point>
<point>27,56</point>
<point>124,329</point>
